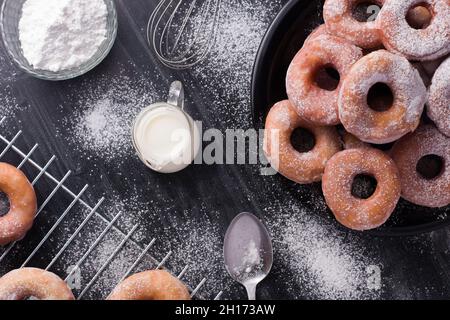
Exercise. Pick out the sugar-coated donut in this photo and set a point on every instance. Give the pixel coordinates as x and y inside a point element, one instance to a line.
<point>317,32</point>
<point>408,151</point>
<point>305,167</point>
<point>409,95</point>
<point>23,204</point>
<point>26,283</point>
<point>151,285</point>
<point>340,21</point>
<point>398,36</point>
<point>352,212</point>
<point>439,98</point>
<point>313,103</point>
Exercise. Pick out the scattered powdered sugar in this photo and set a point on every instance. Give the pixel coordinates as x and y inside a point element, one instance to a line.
<point>198,244</point>
<point>226,74</point>
<point>104,112</point>
<point>324,262</point>
<point>8,103</point>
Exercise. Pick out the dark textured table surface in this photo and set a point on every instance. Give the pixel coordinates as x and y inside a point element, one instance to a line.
<point>189,212</point>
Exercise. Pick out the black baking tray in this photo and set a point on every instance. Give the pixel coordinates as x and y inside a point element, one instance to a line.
<point>282,41</point>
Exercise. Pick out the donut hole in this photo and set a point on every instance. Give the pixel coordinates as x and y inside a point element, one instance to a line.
<point>366,11</point>
<point>4,204</point>
<point>327,77</point>
<point>420,16</point>
<point>380,97</point>
<point>364,186</point>
<point>303,140</point>
<point>430,166</point>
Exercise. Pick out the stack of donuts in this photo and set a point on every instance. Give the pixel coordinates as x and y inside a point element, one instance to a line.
<point>375,94</point>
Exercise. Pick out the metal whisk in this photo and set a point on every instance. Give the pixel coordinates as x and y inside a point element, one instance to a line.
<point>182,33</point>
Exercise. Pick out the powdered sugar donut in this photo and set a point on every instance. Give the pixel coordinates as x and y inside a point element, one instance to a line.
<point>340,21</point>
<point>317,102</point>
<point>349,210</point>
<point>25,283</point>
<point>429,43</point>
<point>382,68</point>
<point>439,98</point>
<point>317,32</point>
<point>151,285</point>
<point>300,167</point>
<point>23,204</point>
<point>432,190</point>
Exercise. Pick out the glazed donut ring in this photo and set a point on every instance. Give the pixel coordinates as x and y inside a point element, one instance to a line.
<point>352,212</point>
<point>407,152</point>
<point>439,98</point>
<point>312,103</point>
<point>305,167</point>
<point>25,283</point>
<point>416,44</point>
<point>23,204</point>
<point>380,127</point>
<point>340,21</point>
<point>151,285</point>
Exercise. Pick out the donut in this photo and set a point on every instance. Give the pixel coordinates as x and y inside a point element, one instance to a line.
<point>314,102</point>
<point>26,283</point>
<point>317,32</point>
<point>303,168</point>
<point>400,37</point>
<point>353,212</point>
<point>23,204</point>
<point>429,191</point>
<point>151,285</point>
<point>439,98</point>
<point>340,21</point>
<point>409,96</point>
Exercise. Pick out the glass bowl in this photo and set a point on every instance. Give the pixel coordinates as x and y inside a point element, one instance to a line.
<point>10,15</point>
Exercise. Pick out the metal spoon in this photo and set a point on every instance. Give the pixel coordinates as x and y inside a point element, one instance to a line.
<point>248,252</point>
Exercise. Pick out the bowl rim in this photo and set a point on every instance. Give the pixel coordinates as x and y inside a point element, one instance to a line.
<point>63,74</point>
<point>260,70</point>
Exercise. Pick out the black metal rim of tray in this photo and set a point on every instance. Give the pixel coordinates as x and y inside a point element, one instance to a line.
<point>266,70</point>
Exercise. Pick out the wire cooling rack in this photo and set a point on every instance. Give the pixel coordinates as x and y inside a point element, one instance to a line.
<point>60,185</point>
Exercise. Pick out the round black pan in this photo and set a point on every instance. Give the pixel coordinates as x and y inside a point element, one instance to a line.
<point>281,42</point>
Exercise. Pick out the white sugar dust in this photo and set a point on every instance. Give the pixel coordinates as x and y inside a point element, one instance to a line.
<point>59,35</point>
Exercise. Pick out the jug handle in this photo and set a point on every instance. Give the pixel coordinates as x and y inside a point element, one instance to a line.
<point>176,95</point>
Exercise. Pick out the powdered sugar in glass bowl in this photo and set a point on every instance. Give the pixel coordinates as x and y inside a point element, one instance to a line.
<point>10,16</point>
